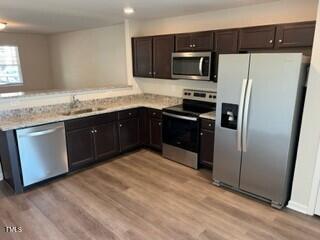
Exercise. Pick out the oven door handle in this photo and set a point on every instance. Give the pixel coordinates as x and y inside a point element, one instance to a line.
<point>194,119</point>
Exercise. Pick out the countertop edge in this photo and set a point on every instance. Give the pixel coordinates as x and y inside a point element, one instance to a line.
<point>61,117</point>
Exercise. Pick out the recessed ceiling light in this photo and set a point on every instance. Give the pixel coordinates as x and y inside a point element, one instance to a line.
<point>3,25</point>
<point>128,10</point>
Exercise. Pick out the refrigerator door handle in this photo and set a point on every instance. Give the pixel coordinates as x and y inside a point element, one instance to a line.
<point>246,116</point>
<point>240,115</point>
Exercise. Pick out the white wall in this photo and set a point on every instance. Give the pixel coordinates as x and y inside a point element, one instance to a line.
<point>310,134</point>
<point>34,59</point>
<point>89,58</point>
<point>275,12</point>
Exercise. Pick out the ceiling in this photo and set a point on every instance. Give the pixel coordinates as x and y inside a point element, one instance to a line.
<point>53,16</point>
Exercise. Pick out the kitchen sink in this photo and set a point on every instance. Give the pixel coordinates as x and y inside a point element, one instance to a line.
<point>81,111</point>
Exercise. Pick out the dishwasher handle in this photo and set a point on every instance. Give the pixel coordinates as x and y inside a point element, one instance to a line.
<point>41,133</point>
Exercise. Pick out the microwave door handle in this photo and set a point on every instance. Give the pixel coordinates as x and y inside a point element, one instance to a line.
<point>200,66</point>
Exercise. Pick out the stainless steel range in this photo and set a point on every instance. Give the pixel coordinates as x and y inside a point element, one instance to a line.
<point>181,126</point>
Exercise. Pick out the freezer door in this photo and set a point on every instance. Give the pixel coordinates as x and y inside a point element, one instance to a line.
<point>233,75</point>
<point>269,125</point>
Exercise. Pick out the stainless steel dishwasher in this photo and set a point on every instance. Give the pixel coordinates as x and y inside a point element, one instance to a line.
<point>43,152</point>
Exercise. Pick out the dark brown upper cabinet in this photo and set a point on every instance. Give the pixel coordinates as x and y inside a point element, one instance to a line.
<point>152,56</point>
<point>199,41</point>
<point>226,41</point>
<point>257,38</point>
<point>295,35</point>
<point>163,47</point>
<point>142,57</point>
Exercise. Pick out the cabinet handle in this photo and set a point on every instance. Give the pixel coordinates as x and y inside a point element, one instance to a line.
<point>210,125</point>
<point>95,131</point>
<point>120,125</point>
<point>159,123</point>
<point>130,113</point>
<point>271,41</point>
<point>280,40</point>
<point>190,45</point>
<point>194,45</point>
<point>92,131</point>
<point>153,113</point>
<point>150,73</point>
<point>201,133</point>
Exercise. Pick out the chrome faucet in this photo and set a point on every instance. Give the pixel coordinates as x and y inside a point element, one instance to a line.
<point>74,102</point>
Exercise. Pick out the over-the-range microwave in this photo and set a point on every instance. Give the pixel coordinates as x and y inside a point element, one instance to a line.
<point>192,65</point>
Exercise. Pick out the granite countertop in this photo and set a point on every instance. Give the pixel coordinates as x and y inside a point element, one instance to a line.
<point>45,118</point>
<point>209,115</point>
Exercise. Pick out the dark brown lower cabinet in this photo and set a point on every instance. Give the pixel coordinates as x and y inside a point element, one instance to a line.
<point>155,129</point>
<point>129,134</point>
<point>106,140</point>
<point>80,145</point>
<point>206,144</point>
<point>103,136</point>
<point>155,133</point>
<point>88,145</point>
<point>144,126</point>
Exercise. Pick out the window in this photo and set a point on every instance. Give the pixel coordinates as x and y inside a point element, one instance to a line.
<point>10,70</point>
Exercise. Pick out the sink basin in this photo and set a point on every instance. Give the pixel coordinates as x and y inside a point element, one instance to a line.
<point>81,111</point>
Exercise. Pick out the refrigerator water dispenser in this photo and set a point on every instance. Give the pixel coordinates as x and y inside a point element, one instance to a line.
<point>229,116</point>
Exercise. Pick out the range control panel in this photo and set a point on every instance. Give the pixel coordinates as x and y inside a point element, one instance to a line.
<point>200,95</point>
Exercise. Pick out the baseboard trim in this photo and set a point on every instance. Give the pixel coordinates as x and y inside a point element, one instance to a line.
<point>298,207</point>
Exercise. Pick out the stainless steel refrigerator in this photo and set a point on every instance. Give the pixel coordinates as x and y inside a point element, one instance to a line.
<point>259,105</point>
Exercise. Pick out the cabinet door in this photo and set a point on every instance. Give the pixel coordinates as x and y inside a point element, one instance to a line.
<point>144,126</point>
<point>226,41</point>
<point>183,42</point>
<point>80,146</point>
<point>295,35</point>
<point>129,133</point>
<point>202,41</point>
<point>206,148</point>
<point>142,57</point>
<point>155,131</point>
<point>257,38</point>
<point>106,140</point>
<point>163,47</point>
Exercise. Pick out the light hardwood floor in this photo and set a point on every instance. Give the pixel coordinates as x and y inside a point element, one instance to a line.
<point>143,196</point>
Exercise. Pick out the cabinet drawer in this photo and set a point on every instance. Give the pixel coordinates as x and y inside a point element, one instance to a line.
<point>89,121</point>
<point>155,113</point>
<point>131,113</point>
<point>207,124</point>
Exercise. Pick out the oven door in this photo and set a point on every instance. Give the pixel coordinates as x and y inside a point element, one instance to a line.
<point>181,131</point>
<point>194,66</point>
